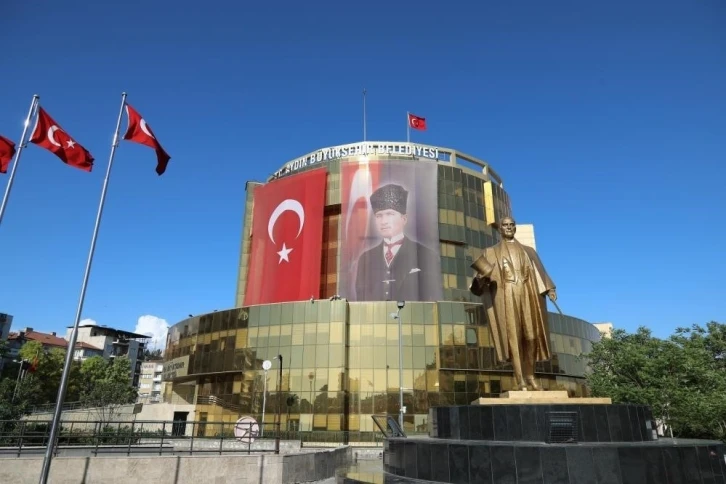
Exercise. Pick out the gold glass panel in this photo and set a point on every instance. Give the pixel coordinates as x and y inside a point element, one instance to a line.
<point>392,334</point>
<point>336,358</point>
<point>298,332</point>
<point>488,199</point>
<point>241,338</point>
<point>337,333</point>
<point>379,356</point>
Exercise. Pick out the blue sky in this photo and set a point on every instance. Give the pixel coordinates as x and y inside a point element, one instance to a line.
<point>607,121</point>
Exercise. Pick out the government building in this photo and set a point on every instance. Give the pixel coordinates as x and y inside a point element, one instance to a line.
<point>342,250</point>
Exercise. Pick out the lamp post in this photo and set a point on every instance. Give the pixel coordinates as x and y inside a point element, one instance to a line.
<point>20,377</point>
<point>400,305</point>
<point>266,365</point>
<point>279,407</point>
<point>311,376</point>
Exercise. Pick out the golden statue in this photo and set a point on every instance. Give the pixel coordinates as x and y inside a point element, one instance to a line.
<point>512,282</point>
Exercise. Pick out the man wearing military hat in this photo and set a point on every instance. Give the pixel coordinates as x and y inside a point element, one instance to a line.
<point>399,268</point>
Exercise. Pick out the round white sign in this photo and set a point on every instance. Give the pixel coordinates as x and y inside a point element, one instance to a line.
<point>246,429</point>
<point>266,365</point>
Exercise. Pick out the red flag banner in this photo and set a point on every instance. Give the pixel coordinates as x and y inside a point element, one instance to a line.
<point>140,132</point>
<point>7,151</point>
<point>287,236</point>
<point>49,135</point>
<point>417,122</point>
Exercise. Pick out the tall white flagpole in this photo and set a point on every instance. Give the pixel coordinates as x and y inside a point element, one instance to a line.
<point>74,334</point>
<point>21,145</point>
<point>408,127</point>
<point>364,115</point>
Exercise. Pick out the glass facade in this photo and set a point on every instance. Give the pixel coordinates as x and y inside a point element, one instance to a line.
<point>341,359</point>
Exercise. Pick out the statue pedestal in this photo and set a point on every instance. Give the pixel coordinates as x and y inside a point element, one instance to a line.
<point>525,437</point>
<point>559,397</point>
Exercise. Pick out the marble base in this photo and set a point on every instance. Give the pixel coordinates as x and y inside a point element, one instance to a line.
<point>541,398</point>
<point>416,460</point>
<point>528,422</point>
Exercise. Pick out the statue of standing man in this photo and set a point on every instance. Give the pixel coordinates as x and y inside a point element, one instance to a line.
<point>512,283</point>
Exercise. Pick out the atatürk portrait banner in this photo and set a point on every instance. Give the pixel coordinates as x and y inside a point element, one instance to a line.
<point>389,235</point>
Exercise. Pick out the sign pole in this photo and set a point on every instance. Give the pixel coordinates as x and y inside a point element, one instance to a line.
<point>364,115</point>
<point>279,407</point>
<point>266,365</point>
<point>408,127</point>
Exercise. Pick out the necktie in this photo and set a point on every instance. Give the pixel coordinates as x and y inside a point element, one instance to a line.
<point>389,252</point>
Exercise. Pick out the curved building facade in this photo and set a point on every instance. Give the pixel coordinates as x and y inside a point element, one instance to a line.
<point>318,286</point>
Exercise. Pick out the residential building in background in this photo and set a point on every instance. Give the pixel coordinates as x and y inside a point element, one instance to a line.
<point>150,384</point>
<point>47,340</point>
<point>606,329</point>
<point>111,343</point>
<point>84,351</point>
<point>6,321</point>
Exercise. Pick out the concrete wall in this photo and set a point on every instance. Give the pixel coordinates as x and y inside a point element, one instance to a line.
<point>123,413</point>
<point>237,469</point>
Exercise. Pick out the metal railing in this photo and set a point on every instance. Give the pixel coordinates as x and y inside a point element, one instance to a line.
<point>93,437</point>
<point>50,407</point>
<point>133,437</point>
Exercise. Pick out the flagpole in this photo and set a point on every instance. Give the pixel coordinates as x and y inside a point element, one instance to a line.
<point>364,114</point>
<point>21,145</point>
<point>408,127</point>
<point>74,333</point>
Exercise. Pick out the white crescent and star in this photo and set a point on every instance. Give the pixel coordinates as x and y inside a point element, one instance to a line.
<point>52,130</point>
<point>145,129</point>
<point>288,205</point>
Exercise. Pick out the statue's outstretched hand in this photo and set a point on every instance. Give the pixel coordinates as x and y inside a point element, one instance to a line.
<point>552,294</point>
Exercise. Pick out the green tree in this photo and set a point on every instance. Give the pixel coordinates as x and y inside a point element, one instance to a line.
<point>153,354</point>
<point>682,378</point>
<point>93,369</point>
<point>48,367</point>
<point>111,387</point>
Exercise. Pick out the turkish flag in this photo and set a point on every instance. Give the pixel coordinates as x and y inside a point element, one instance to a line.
<point>49,135</point>
<point>357,181</point>
<point>140,132</point>
<point>287,239</point>
<point>7,151</point>
<point>417,122</point>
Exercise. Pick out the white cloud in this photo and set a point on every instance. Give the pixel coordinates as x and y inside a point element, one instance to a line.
<point>88,322</point>
<point>155,327</point>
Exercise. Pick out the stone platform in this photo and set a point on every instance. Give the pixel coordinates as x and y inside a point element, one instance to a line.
<point>540,398</point>
<point>546,438</point>
<point>415,460</point>
<point>528,422</point>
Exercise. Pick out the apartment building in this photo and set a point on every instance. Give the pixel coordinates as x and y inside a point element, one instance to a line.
<point>150,381</point>
<point>111,343</point>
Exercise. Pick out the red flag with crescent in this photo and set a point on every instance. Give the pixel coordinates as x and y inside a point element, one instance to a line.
<point>140,132</point>
<point>7,151</point>
<point>287,238</point>
<point>417,122</point>
<point>49,135</point>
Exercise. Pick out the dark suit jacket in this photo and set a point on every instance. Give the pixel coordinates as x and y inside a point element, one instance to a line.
<point>414,274</point>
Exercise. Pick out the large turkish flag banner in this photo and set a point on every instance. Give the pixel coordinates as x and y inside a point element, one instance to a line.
<point>287,236</point>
